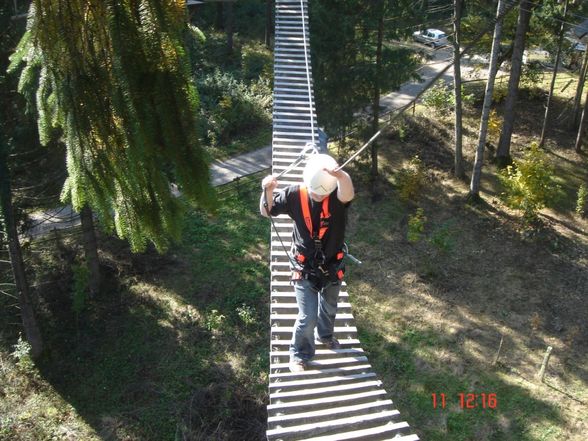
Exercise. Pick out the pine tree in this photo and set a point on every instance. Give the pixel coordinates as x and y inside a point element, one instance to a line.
<point>113,79</point>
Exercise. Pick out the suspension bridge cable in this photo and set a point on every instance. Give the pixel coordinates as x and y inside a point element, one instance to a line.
<point>307,71</point>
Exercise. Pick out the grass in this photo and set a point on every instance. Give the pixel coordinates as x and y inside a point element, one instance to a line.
<point>176,349</point>
<point>431,312</point>
<point>244,143</point>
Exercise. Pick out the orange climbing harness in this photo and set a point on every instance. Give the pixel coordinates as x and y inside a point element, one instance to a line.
<point>317,264</point>
<point>325,215</point>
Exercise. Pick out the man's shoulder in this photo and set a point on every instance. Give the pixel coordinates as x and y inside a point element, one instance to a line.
<point>291,190</point>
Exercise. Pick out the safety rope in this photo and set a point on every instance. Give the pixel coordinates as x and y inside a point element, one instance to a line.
<point>267,210</point>
<point>307,72</point>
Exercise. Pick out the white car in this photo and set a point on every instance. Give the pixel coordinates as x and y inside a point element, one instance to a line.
<point>431,37</point>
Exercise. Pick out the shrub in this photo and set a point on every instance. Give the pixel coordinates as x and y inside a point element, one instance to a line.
<point>247,314</point>
<point>582,201</point>
<point>499,93</point>
<point>439,98</point>
<point>529,184</point>
<point>22,355</point>
<point>231,107</point>
<point>494,125</point>
<point>443,238</point>
<point>214,320</point>
<point>256,62</point>
<point>531,75</point>
<point>416,225</point>
<point>410,180</point>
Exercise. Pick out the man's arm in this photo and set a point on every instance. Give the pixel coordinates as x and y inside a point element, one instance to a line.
<point>268,185</point>
<point>345,190</point>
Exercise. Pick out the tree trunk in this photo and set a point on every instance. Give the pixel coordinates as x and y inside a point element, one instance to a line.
<point>29,321</point>
<point>90,249</point>
<point>376,100</point>
<point>269,23</point>
<point>553,77</point>
<point>503,152</point>
<point>582,126</point>
<point>229,27</point>
<point>220,16</point>
<point>495,55</point>
<point>575,120</point>
<point>459,171</point>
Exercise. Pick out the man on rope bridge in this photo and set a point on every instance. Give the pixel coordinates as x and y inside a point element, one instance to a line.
<point>318,209</point>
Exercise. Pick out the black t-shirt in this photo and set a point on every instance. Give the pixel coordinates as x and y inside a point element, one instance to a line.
<point>287,202</point>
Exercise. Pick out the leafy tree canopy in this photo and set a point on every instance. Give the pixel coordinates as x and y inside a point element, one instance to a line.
<point>111,78</point>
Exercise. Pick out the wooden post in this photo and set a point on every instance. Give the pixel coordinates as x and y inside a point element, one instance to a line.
<point>541,374</point>
<point>498,352</point>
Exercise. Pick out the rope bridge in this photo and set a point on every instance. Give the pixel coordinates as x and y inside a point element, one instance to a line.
<point>338,397</point>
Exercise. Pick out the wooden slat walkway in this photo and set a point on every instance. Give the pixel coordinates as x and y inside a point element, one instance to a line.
<point>339,397</point>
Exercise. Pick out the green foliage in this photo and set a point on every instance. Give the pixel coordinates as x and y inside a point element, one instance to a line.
<point>344,40</point>
<point>410,180</point>
<point>247,314</point>
<point>80,290</point>
<point>467,99</point>
<point>494,125</point>
<point>443,237</point>
<point>439,98</point>
<point>116,85</point>
<point>214,320</point>
<point>529,184</point>
<point>22,355</point>
<point>416,225</point>
<point>532,76</point>
<point>230,106</point>
<point>500,92</point>
<point>582,201</point>
<point>256,62</point>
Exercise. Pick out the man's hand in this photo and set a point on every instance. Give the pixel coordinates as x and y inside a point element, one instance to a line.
<point>269,183</point>
<point>335,172</point>
<point>345,191</point>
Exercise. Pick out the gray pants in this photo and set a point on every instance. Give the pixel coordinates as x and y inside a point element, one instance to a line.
<point>316,309</point>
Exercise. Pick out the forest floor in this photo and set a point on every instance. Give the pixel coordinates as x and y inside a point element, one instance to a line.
<point>176,345</point>
<point>432,312</point>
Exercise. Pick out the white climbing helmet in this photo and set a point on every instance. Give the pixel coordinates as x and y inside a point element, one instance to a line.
<point>315,178</point>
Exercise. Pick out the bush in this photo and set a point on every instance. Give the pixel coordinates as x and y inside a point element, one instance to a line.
<point>439,98</point>
<point>499,93</point>
<point>256,62</point>
<point>416,225</point>
<point>494,126</point>
<point>231,107</point>
<point>410,180</point>
<point>443,238</point>
<point>529,184</point>
<point>531,75</point>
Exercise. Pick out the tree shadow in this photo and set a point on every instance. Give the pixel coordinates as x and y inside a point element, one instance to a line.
<point>472,271</point>
<point>175,347</point>
<point>421,363</point>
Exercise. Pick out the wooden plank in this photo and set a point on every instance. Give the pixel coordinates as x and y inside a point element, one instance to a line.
<point>317,381</point>
<point>331,411</point>
<point>362,434</point>
<point>353,398</point>
<point>327,390</point>
<point>318,427</point>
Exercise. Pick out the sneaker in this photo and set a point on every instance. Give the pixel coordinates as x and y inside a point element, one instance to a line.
<point>330,343</point>
<point>297,366</point>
